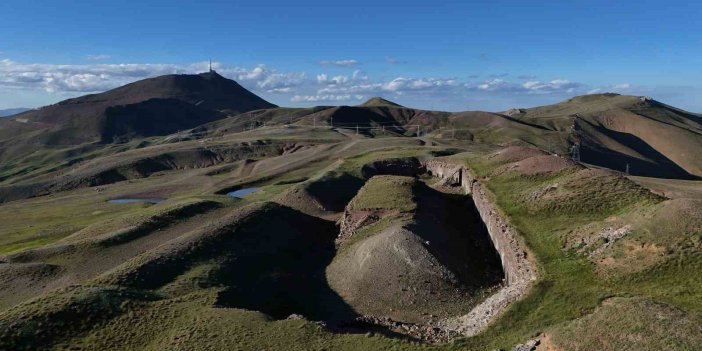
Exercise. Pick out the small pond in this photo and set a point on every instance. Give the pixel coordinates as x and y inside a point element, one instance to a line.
<point>241,193</point>
<point>153,200</point>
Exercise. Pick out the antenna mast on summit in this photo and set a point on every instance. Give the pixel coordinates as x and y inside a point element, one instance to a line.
<point>210,65</point>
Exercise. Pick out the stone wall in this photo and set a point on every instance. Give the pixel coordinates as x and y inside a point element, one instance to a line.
<point>450,174</point>
<point>519,269</point>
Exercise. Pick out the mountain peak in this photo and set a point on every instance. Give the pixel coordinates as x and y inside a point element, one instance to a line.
<point>211,74</point>
<point>153,106</point>
<point>378,101</point>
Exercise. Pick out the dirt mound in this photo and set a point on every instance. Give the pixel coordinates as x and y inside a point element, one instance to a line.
<point>284,260</point>
<point>15,276</point>
<point>633,324</point>
<point>50,318</point>
<point>412,275</point>
<point>640,240</point>
<point>382,196</point>
<point>427,248</point>
<point>543,164</point>
<point>582,191</point>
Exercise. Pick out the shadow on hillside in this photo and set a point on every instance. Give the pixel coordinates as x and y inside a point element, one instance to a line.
<point>661,167</point>
<point>458,237</point>
<point>277,267</point>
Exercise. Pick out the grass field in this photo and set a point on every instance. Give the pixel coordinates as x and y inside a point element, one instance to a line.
<point>580,302</point>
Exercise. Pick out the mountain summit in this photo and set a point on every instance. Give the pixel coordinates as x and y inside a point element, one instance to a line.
<point>154,106</point>
<point>378,101</point>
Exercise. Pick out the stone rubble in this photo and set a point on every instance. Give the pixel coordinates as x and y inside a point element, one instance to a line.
<point>609,236</point>
<point>527,346</point>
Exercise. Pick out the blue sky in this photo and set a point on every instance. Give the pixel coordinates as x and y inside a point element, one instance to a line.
<point>450,55</point>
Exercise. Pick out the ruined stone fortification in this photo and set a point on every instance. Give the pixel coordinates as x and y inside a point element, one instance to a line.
<point>519,270</point>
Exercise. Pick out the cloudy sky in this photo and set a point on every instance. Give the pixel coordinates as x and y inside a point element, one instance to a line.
<point>448,55</point>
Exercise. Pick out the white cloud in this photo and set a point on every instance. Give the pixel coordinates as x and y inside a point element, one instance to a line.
<point>497,84</point>
<point>359,75</point>
<point>254,74</point>
<point>100,77</point>
<point>336,80</point>
<point>400,85</point>
<point>555,86</point>
<point>340,63</point>
<point>340,79</point>
<point>280,90</point>
<point>73,80</point>
<point>98,57</point>
<point>78,78</point>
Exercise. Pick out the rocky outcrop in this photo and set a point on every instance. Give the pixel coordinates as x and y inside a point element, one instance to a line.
<point>519,270</point>
<point>352,220</point>
<point>530,345</point>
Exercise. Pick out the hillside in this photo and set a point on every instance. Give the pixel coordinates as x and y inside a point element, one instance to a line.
<point>653,138</point>
<point>175,226</point>
<point>154,106</point>
<point>347,242</point>
<point>378,101</point>
<point>612,130</point>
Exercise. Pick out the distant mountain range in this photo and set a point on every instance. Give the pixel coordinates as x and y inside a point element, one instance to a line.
<point>13,111</point>
<point>615,131</point>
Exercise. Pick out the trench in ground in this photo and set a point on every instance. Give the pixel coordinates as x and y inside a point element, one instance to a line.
<point>278,267</point>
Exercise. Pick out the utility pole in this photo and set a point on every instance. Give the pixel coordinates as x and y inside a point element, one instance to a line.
<point>331,122</point>
<point>356,129</point>
<point>627,168</point>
